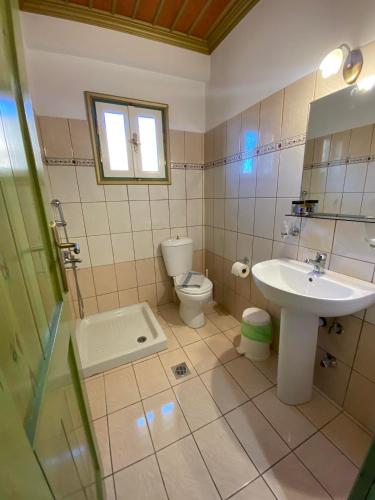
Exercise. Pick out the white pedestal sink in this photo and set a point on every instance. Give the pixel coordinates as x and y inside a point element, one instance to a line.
<point>303,297</point>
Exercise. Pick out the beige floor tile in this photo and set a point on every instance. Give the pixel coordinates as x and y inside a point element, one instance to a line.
<point>165,419</point>
<point>151,377</point>
<point>141,481</point>
<point>234,335</point>
<point>109,488</point>
<point>222,320</point>
<point>330,467</point>
<point>292,426</point>
<point>319,410</point>
<point>249,377</point>
<point>185,335</point>
<point>173,343</point>
<point>257,490</point>
<point>170,359</point>
<point>184,472</point>
<point>201,356</point>
<point>289,479</point>
<point>196,403</point>
<point>96,396</point>
<point>222,347</point>
<point>224,389</point>
<point>229,466</point>
<point>207,330</point>
<point>353,441</point>
<point>263,445</point>
<point>102,438</point>
<point>171,315</point>
<point>129,436</point>
<point>121,389</point>
<point>268,367</point>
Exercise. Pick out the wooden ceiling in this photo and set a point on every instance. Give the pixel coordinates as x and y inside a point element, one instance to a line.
<point>198,25</point>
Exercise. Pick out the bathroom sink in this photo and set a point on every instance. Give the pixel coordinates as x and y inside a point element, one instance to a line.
<point>305,295</point>
<point>290,283</point>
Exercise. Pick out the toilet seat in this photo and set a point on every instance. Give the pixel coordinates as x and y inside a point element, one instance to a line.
<point>204,288</point>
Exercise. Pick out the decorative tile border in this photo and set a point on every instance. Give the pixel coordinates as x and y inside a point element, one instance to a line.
<point>343,161</point>
<point>290,142</point>
<point>87,162</point>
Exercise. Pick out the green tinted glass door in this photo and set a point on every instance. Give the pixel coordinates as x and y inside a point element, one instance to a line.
<point>43,404</point>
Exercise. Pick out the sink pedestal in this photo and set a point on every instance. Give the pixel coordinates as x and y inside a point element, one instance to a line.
<point>297,348</point>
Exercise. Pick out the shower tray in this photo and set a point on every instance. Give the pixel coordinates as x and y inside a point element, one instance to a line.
<point>110,339</point>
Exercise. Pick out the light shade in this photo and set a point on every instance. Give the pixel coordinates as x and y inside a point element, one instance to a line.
<point>331,63</point>
<point>366,84</point>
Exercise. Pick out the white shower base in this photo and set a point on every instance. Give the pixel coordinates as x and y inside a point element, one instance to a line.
<point>107,340</point>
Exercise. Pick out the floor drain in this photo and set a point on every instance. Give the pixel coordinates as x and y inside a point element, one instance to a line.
<point>141,339</point>
<point>180,370</point>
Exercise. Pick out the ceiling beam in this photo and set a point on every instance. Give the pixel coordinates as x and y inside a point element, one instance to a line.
<point>233,17</point>
<point>114,6</point>
<point>158,10</point>
<point>179,14</point>
<point>135,9</point>
<point>104,19</point>
<point>220,17</point>
<point>199,17</point>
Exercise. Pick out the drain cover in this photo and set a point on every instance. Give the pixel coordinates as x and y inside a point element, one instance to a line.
<point>180,370</point>
<point>141,339</point>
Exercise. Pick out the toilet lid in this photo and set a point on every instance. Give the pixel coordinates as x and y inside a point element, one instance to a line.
<point>205,287</point>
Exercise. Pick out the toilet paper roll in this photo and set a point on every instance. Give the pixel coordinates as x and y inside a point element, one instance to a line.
<point>240,269</point>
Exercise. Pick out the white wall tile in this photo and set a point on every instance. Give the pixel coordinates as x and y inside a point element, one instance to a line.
<point>350,240</point>
<point>158,192</point>
<point>230,245</point>
<point>219,210</point>
<point>370,178</point>
<point>159,214</point>
<point>116,192</point>
<point>100,248</point>
<point>96,218</point>
<point>209,211</point>
<point>88,188</point>
<point>196,234</point>
<point>178,232</point>
<point>284,250</point>
<point>64,183</point>
<point>158,236</point>
<point>264,217</point>
<point>231,213</point>
<point>177,189</point>
<point>244,246</point>
<point>290,172</point>
<point>355,178</point>
<point>368,204</point>
<point>177,213</point>
<point>267,174</point>
<point>336,178</point>
<point>351,267</point>
<point>74,219</point>
<point>138,192</point>
<point>119,216</point>
<point>194,212</point>
<point>122,244</point>
<point>143,245</point>
<point>318,180</point>
<point>283,207</point>
<point>246,213</point>
<point>219,241</point>
<point>194,183</point>
<point>232,180</point>
<point>332,203</point>
<point>351,203</point>
<point>219,182</point>
<point>317,234</point>
<point>84,254</point>
<point>140,215</point>
<point>248,171</point>
<point>262,250</point>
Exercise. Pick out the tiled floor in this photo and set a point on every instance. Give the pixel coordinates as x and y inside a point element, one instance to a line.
<point>220,432</point>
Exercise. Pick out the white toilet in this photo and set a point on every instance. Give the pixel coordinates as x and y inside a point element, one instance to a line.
<point>178,259</point>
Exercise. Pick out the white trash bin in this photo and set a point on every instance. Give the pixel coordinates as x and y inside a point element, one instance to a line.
<point>256,334</point>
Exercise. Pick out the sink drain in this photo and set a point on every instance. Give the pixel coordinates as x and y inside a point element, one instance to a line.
<point>141,339</point>
<point>180,370</point>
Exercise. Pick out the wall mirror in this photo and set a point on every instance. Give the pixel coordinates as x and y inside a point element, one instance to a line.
<point>129,138</point>
<point>339,162</point>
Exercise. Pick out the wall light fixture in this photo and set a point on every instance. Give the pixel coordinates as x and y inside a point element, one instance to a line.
<point>352,67</point>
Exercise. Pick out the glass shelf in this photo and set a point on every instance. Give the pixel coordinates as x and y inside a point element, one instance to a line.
<point>345,217</point>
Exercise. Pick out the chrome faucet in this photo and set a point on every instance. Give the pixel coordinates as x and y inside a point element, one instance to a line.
<point>319,262</point>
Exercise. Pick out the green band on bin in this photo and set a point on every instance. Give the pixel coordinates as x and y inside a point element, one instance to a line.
<point>260,333</point>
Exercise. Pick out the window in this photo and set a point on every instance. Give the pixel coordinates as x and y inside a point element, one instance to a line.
<point>130,140</point>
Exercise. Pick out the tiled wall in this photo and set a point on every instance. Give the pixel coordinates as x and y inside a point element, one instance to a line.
<point>254,165</point>
<point>339,171</point>
<point>120,227</point>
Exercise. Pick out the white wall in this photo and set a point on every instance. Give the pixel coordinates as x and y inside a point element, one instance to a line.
<point>65,58</point>
<point>277,43</point>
